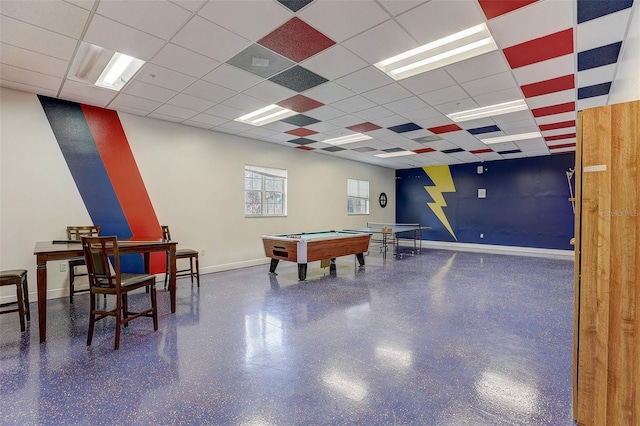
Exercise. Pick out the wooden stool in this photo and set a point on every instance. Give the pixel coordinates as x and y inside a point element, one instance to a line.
<point>17,277</point>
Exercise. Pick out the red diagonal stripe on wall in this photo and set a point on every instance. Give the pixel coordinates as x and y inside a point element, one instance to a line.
<point>125,177</point>
<point>548,86</point>
<point>540,49</point>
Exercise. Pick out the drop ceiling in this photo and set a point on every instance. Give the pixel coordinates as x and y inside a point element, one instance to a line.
<point>210,62</point>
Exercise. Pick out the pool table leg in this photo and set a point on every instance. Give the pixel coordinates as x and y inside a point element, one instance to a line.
<point>274,265</point>
<point>360,257</point>
<point>302,271</point>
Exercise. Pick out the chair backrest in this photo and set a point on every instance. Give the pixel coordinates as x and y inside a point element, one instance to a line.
<point>77,232</point>
<point>98,252</point>
<point>166,235</point>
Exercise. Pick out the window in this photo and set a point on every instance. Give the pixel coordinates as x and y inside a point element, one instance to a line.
<point>265,191</point>
<point>357,196</point>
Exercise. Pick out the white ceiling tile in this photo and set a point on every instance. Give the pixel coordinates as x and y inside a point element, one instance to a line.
<point>554,98</point>
<point>244,103</point>
<point>545,70</point>
<point>210,120</point>
<point>340,20</point>
<point>194,123</point>
<point>163,19</point>
<point>534,21</point>
<point>488,156</point>
<point>179,59</point>
<point>135,102</point>
<point>492,83</point>
<point>163,77</point>
<point>209,91</point>
<point>397,7</point>
<point>593,102</point>
<point>225,111</point>
<point>440,18</point>
<point>596,75</point>
<point>427,82</point>
<point>334,62</point>
<point>499,96</point>
<point>384,41</point>
<point>500,120</point>
<point>441,96</point>
<point>364,80</point>
<point>372,114</point>
<point>199,32</point>
<point>148,91</point>
<point>466,157</point>
<point>602,31</point>
<point>191,5</point>
<point>54,15</point>
<point>474,124</point>
<point>190,102</point>
<point>175,111</point>
<point>328,93</point>
<point>562,131</point>
<point>232,15</point>
<point>406,105</point>
<point>345,120</point>
<point>29,78</point>
<point>270,92</point>
<point>113,35</point>
<point>389,93</point>
<point>37,39</point>
<point>29,60</point>
<point>464,140</point>
<point>516,126</point>
<point>353,104</point>
<point>123,109</point>
<point>481,66</point>
<point>567,149</point>
<point>456,106</point>
<point>422,114</point>
<point>322,127</point>
<point>504,146</point>
<point>28,88</point>
<point>556,118</point>
<point>87,91</point>
<point>323,113</point>
<point>390,121</point>
<point>164,117</point>
<point>232,78</point>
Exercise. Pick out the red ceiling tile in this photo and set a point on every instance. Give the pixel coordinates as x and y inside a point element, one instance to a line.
<point>540,49</point>
<point>423,150</point>
<point>296,40</point>
<point>554,109</point>
<point>444,129</point>
<point>304,147</point>
<point>364,127</point>
<point>301,131</point>
<point>493,8</point>
<point>481,151</point>
<point>300,103</point>
<point>558,137</point>
<point>559,125</point>
<point>564,145</point>
<point>548,86</point>
<point>364,149</point>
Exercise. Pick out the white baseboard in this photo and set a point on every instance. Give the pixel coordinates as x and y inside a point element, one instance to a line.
<point>495,249</point>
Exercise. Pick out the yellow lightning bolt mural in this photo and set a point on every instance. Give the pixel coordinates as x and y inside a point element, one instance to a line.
<point>441,178</point>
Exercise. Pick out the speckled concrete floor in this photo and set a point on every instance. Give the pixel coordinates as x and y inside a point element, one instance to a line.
<point>442,338</point>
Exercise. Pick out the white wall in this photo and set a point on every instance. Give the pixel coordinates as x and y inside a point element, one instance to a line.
<point>195,180</point>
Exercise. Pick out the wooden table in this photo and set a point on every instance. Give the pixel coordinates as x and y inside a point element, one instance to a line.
<point>47,250</point>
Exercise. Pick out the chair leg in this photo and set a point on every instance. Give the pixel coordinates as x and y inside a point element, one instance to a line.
<point>92,318</point>
<point>154,306</point>
<point>191,269</point>
<point>125,309</point>
<point>166,272</point>
<point>118,322</point>
<point>20,304</point>
<point>25,295</point>
<point>198,271</point>
<point>72,278</point>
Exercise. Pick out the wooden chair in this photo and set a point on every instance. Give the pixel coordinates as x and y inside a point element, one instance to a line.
<point>182,254</point>
<point>17,277</point>
<point>105,278</point>
<point>74,233</point>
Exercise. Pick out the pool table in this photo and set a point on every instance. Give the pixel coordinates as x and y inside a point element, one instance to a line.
<point>311,246</point>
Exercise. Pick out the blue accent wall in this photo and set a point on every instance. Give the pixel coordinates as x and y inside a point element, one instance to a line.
<point>527,202</point>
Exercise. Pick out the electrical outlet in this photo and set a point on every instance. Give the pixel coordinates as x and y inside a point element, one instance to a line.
<point>203,252</point>
<point>481,235</point>
<point>63,267</point>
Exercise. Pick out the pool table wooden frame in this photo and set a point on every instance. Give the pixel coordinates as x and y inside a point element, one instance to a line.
<point>293,248</point>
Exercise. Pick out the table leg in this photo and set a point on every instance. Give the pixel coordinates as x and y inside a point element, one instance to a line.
<point>360,257</point>
<point>172,277</point>
<point>42,298</point>
<point>302,271</point>
<point>273,266</point>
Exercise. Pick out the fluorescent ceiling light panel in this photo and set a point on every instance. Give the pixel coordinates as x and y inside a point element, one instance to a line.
<point>347,139</point>
<point>454,48</point>
<point>512,138</point>
<point>395,154</point>
<point>103,67</point>
<point>266,115</point>
<point>488,111</point>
